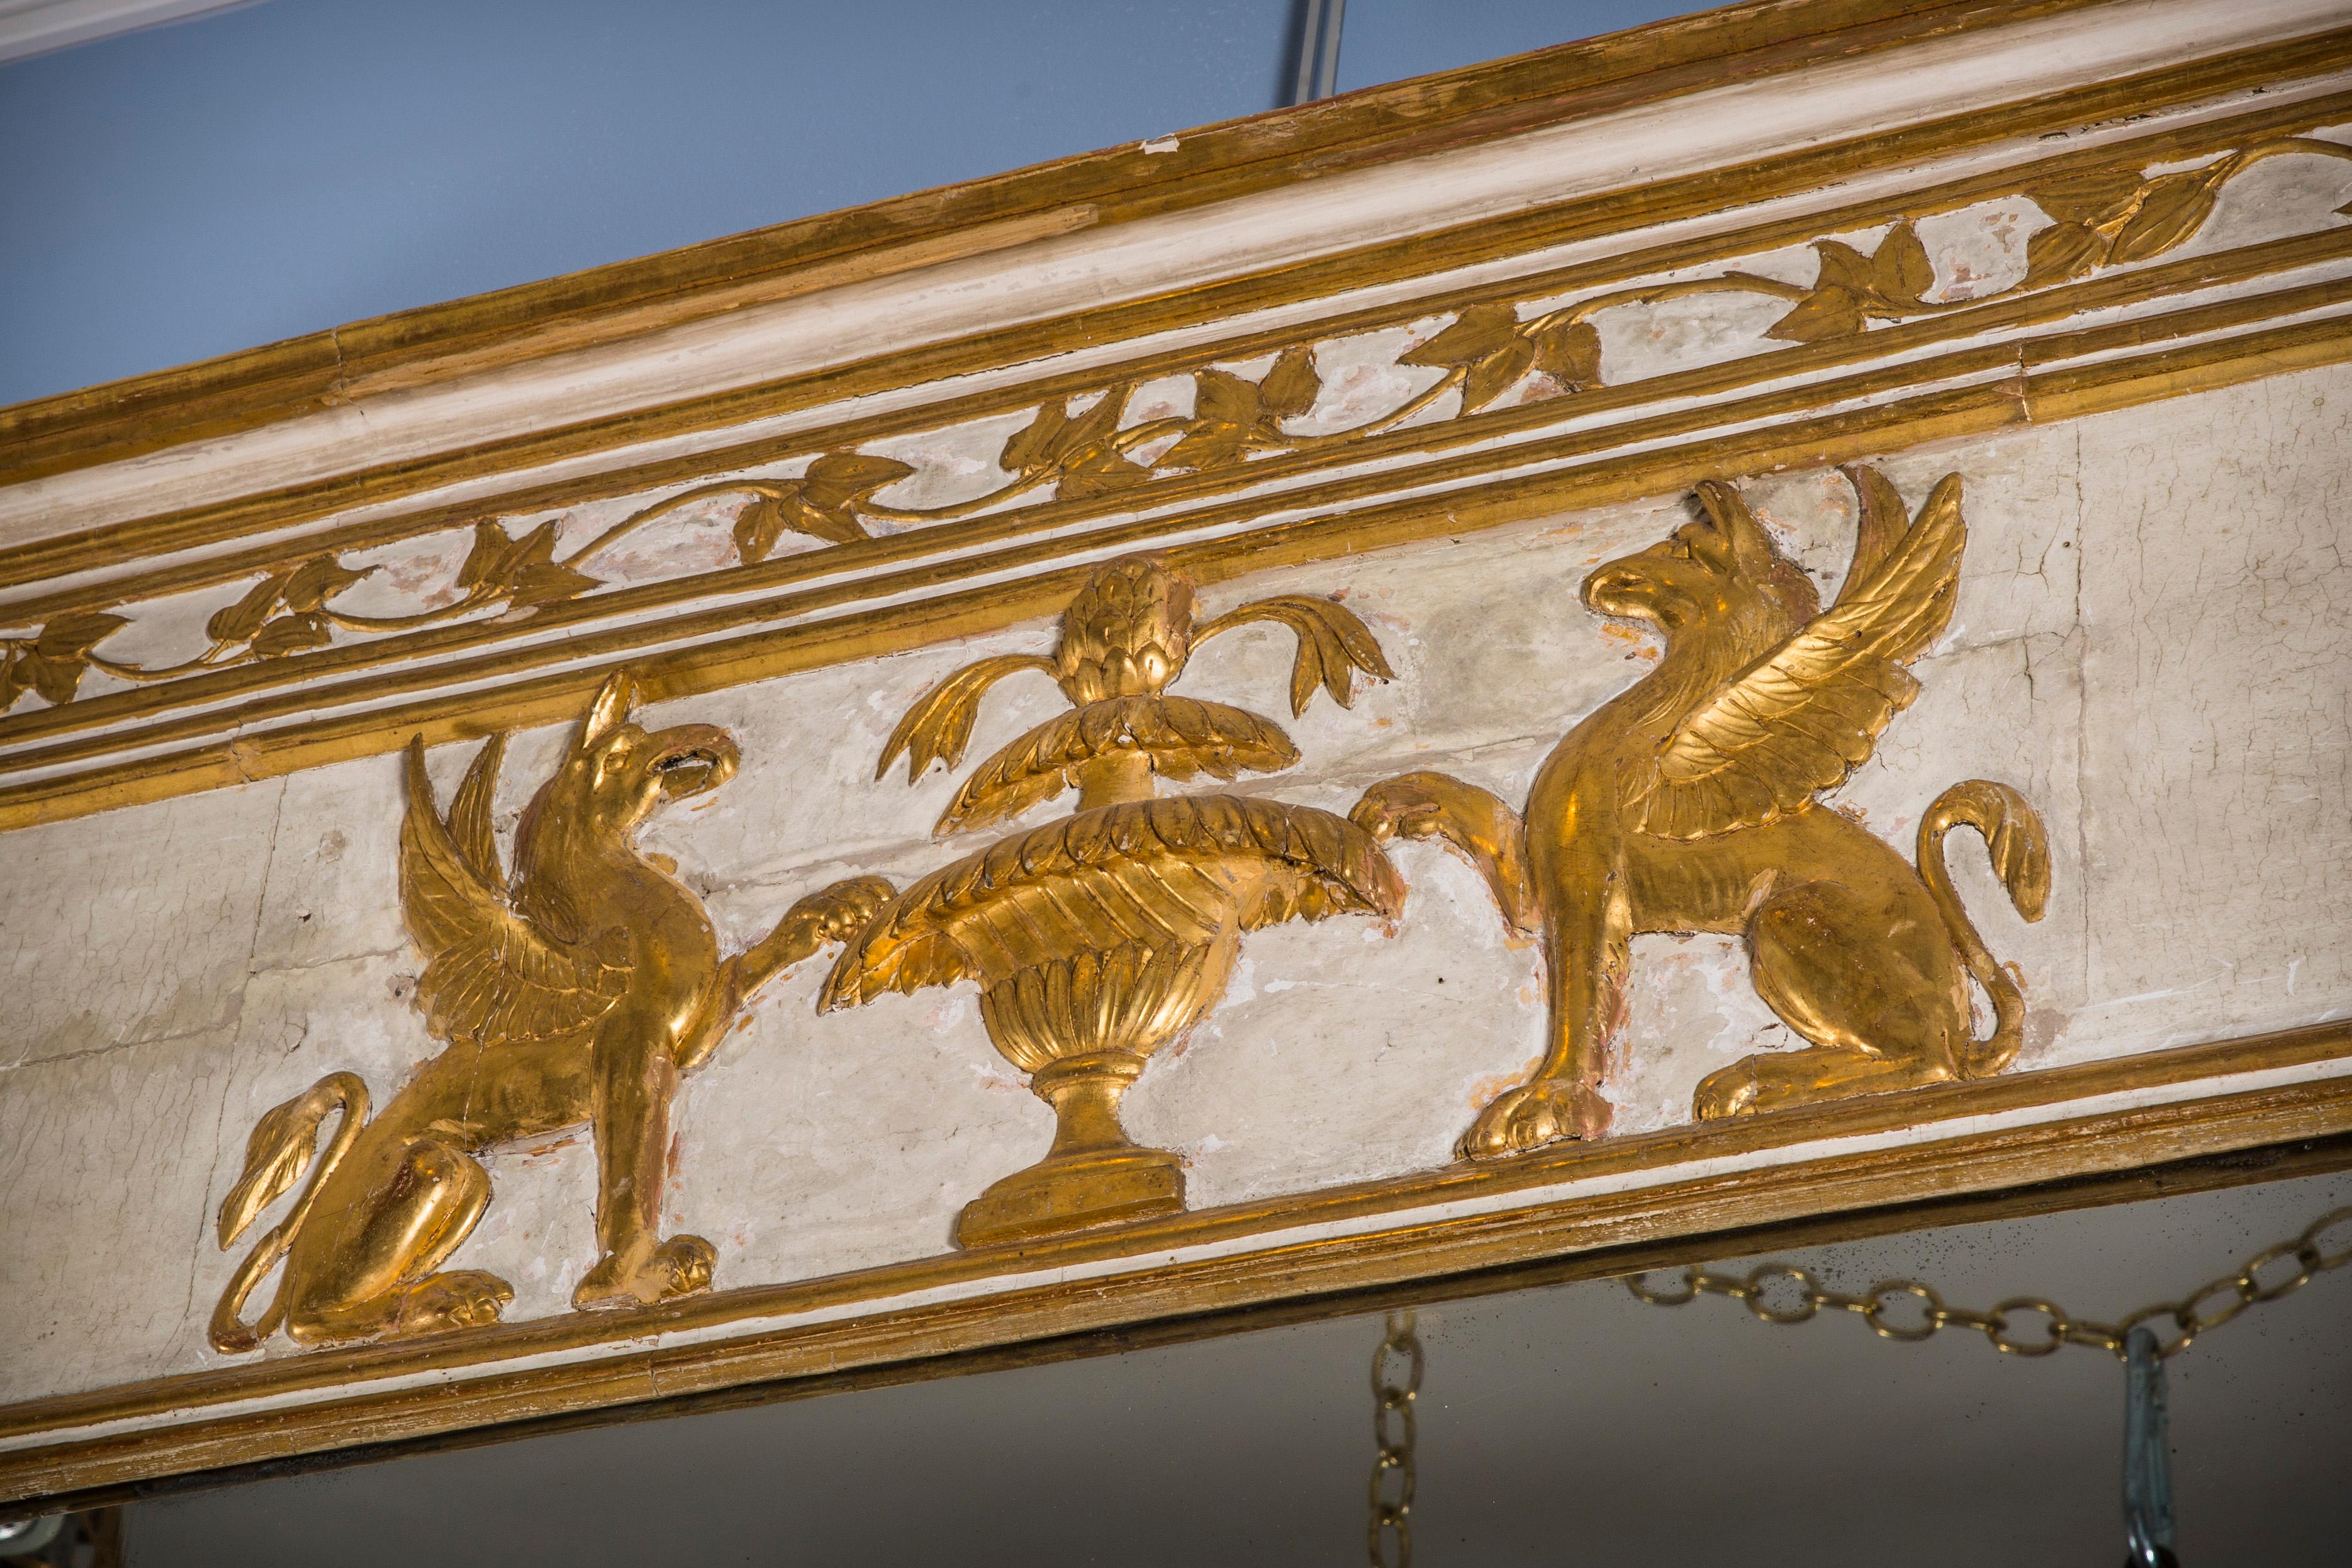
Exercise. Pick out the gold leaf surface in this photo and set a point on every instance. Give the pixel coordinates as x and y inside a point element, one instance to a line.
<point>1181,736</point>
<point>1147,872</point>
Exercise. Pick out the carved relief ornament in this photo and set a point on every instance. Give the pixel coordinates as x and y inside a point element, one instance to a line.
<point>1100,938</point>
<point>574,992</point>
<point>1691,801</point>
<point>582,987</point>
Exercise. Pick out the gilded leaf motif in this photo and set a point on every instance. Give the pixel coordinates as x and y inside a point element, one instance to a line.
<point>75,633</point>
<point>55,679</point>
<point>1497,374</point>
<point>1569,352</point>
<point>481,565</point>
<point>238,623</point>
<point>1825,313</point>
<point>757,528</point>
<point>2061,251</point>
<point>2171,208</point>
<point>1225,411</point>
<point>1101,474</point>
<point>1900,272</point>
<point>1221,397</point>
<point>60,654</point>
<point>1487,344</point>
<point>1479,331</point>
<point>2090,198</point>
<point>318,580</point>
<point>1333,644</point>
<point>1842,267</point>
<point>546,582</point>
<point>296,633</point>
<point>1851,289</point>
<point>838,478</point>
<point>1034,444</point>
<point>1099,424</point>
<point>938,727</point>
<point>1291,387</point>
<point>53,661</point>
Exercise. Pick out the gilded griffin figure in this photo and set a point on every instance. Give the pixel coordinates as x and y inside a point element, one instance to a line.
<point>1690,803</point>
<point>577,992</point>
<point>1100,938</point>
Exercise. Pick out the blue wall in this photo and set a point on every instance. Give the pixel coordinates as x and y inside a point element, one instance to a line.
<point>277,169</point>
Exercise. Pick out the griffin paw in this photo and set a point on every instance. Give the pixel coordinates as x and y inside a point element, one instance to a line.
<point>843,909</point>
<point>1725,1092</point>
<point>1399,807</point>
<point>1535,1114</point>
<point>460,1299</point>
<point>678,1266</point>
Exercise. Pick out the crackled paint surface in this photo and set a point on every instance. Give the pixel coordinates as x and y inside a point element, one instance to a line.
<point>2150,642</point>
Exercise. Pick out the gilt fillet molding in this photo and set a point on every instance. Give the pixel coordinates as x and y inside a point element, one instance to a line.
<point>1650,64</point>
<point>1682,1187</point>
<point>1793,128</point>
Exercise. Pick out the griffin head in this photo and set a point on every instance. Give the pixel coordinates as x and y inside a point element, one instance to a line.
<point>1718,572</point>
<point>617,770</point>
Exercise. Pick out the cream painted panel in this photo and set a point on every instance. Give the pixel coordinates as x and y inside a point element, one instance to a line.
<point>104,1162</point>
<point>2217,771</point>
<point>132,925</point>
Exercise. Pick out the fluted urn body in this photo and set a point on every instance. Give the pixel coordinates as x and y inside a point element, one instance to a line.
<point>1099,938</point>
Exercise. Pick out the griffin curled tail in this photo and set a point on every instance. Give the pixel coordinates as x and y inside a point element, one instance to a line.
<point>281,1149</point>
<point>2021,858</point>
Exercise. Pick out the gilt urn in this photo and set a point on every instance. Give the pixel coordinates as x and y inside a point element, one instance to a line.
<point>1098,938</point>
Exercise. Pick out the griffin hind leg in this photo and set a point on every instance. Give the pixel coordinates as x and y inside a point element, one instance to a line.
<point>1872,986</point>
<point>369,1271</point>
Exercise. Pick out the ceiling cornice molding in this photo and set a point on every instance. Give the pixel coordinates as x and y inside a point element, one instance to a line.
<point>1429,117</point>
<point>30,27</point>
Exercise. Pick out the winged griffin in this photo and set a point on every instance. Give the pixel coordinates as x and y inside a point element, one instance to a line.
<point>576,992</point>
<point>1690,803</point>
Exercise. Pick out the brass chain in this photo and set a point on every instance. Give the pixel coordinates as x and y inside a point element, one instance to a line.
<point>2229,1295</point>
<point>1389,1536</point>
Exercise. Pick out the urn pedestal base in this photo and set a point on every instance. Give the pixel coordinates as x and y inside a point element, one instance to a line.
<point>1094,1174</point>
<point>1065,1193</point>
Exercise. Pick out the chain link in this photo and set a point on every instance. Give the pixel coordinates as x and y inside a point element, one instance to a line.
<point>1389,1536</point>
<point>1909,1310</point>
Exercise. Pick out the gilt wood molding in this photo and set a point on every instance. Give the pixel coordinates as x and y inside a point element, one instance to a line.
<point>1652,1190</point>
<point>1650,64</point>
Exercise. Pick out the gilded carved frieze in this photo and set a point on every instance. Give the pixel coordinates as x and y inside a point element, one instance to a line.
<point>1432,376</point>
<point>1610,904</point>
<point>579,989</point>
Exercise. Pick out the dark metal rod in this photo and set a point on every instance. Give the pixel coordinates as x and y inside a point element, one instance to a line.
<point>1318,49</point>
<point>2148,1456</point>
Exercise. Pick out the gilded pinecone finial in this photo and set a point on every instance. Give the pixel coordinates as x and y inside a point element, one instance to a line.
<point>1127,634</point>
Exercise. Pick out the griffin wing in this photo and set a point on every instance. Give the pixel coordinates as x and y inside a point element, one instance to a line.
<point>492,975</point>
<point>1801,718</point>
